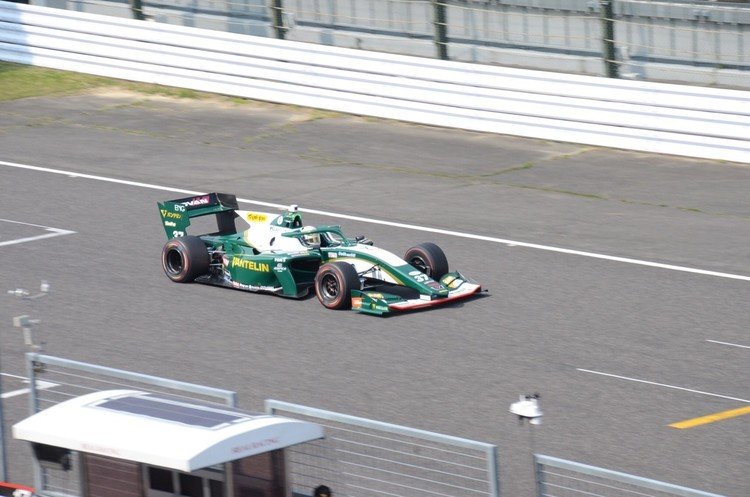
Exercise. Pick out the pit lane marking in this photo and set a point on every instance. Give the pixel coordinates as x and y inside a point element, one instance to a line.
<point>665,385</point>
<point>510,243</point>
<point>711,418</point>
<point>730,344</point>
<point>41,385</point>
<point>53,232</point>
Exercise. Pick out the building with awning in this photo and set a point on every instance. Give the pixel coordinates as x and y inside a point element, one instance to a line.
<point>162,446</point>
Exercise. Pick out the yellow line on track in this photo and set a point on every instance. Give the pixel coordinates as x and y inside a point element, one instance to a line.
<point>711,418</point>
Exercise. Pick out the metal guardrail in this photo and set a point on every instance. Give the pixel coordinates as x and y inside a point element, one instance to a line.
<point>365,457</point>
<point>73,378</point>
<point>702,43</point>
<point>561,478</point>
<point>652,117</point>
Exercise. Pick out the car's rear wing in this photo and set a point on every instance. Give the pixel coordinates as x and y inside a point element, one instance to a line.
<point>176,214</point>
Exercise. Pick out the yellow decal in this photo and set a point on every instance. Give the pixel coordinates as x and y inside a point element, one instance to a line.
<point>170,215</point>
<point>250,265</point>
<point>254,217</point>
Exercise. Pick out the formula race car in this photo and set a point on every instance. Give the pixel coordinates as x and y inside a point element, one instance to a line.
<point>276,253</point>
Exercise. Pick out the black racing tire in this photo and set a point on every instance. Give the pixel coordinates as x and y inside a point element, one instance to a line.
<point>428,258</point>
<point>185,258</point>
<point>334,283</point>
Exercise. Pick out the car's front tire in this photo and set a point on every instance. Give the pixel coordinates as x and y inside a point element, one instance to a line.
<point>334,283</point>
<point>428,258</point>
<point>185,258</point>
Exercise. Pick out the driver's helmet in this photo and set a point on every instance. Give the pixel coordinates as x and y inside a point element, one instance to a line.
<point>311,239</point>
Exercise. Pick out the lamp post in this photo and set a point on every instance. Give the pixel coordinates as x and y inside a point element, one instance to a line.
<point>24,322</point>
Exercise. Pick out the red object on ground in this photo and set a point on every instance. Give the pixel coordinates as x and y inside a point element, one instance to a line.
<point>15,490</point>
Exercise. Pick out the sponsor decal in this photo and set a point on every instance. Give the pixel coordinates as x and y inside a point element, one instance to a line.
<point>347,254</point>
<point>170,215</point>
<point>255,445</point>
<point>375,295</point>
<point>193,202</point>
<point>261,267</point>
<point>254,288</point>
<point>356,302</point>
<point>171,224</point>
<point>179,208</point>
<point>279,267</point>
<point>255,217</point>
<point>456,283</point>
<point>414,273</point>
<point>279,259</point>
<point>99,449</point>
<point>434,285</point>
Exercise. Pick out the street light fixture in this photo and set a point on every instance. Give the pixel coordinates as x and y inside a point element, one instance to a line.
<point>527,408</point>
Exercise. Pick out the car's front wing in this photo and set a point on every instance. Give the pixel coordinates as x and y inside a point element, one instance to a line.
<point>380,303</point>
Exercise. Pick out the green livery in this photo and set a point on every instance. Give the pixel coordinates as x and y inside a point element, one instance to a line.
<point>275,253</point>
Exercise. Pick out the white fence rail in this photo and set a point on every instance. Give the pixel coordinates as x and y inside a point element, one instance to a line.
<point>561,478</point>
<point>367,458</point>
<point>652,117</point>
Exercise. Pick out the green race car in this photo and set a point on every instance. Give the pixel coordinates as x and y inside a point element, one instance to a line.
<point>276,253</point>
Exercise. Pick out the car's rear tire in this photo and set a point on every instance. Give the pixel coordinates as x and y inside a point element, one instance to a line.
<point>185,258</point>
<point>428,258</point>
<point>334,283</point>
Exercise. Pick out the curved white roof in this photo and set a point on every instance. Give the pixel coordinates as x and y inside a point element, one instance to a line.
<point>161,430</point>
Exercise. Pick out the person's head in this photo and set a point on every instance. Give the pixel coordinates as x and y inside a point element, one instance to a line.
<point>322,491</point>
<point>311,240</point>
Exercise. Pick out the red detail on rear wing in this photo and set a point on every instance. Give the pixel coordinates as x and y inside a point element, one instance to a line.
<point>211,202</point>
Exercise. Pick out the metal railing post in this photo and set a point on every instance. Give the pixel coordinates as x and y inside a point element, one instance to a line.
<point>277,15</point>
<point>607,14</point>
<point>440,20</point>
<point>539,475</point>
<point>492,471</point>
<point>3,464</point>
<point>40,480</point>
<point>136,6</point>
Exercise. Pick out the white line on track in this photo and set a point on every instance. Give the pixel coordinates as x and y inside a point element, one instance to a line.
<point>747,401</point>
<point>39,384</point>
<point>730,344</point>
<point>53,232</point>
<point>511,243</point>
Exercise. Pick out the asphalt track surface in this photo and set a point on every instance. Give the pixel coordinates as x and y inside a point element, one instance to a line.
<point>597,261</point>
